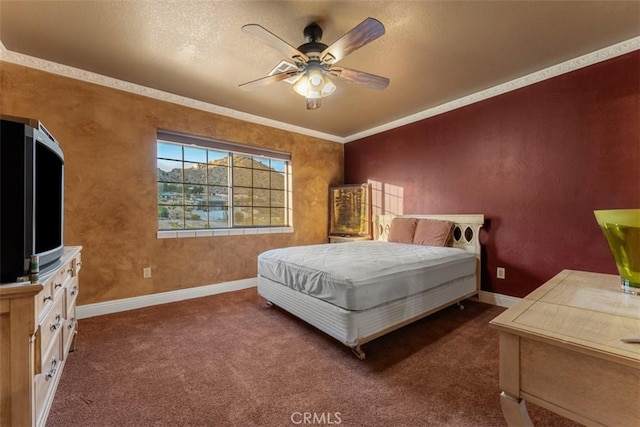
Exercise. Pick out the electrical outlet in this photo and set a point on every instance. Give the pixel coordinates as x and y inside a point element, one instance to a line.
<point>500,273</point>
<point>146,272</point>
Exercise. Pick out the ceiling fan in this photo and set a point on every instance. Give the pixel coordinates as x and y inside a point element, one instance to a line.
<point>313,62</point>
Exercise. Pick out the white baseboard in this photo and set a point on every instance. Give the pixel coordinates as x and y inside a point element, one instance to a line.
<point>100,308</point>
<point>115,306</point>
<point>500,300</point>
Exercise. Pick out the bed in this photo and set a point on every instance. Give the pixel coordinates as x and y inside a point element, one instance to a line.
<point>361,290</point>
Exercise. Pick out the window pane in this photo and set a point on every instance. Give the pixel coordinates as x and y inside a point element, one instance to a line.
<point>261,197</point>
<point>163,216</point>
<point>218,175</point>
<point>278,216</point>
<point>195,194</point>
<point>261,216</point>
<point>166,220</point>
<point>242,216</point>
<point>169,193</point>
<point>277,180</point>
<point>278,165</point>
<point>241,160</point>
<point>170,217</point>
<point>219,217</point>
<point>195,217</point>
<point>277,199</point>
<point>218,196</point>
<point>261,178</point>
<point>242,196</point>
<point>194,154</point>
<point>195,173</point>
<point>242,177</point>
<point>261,163</point>
<point>220,158</point>
<point>169,151</point>
<point>169,171</point>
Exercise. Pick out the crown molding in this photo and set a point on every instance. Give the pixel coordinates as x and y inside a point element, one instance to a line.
<point>535,77</point>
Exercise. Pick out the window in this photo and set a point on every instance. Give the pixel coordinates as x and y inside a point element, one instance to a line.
<point>209,184</point>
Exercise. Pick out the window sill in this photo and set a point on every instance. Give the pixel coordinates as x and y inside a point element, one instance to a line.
<point>168,234</point>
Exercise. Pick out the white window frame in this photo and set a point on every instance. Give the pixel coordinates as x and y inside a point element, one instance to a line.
<point>229,148</point>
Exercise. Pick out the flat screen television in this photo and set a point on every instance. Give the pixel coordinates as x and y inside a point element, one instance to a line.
<point>31,198</point>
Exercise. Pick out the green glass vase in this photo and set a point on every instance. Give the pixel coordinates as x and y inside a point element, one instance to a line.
<point>621,228</point>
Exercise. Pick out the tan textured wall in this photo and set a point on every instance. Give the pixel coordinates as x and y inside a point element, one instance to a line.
<point>108,138</point>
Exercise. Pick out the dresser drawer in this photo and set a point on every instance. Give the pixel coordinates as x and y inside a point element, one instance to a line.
<point>71,295</point>
<point>61,277</point>
<point>69,331</point>
<point>44,300</point>
<point>65,273</point>
<point>52,289</point>
<point>55,284</point>
<point>51,325</point>
<point>45,382</point>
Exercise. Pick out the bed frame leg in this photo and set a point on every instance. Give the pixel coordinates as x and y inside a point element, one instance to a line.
<point>460,306</point>
<point>269,303</point>
<point>358,352</point>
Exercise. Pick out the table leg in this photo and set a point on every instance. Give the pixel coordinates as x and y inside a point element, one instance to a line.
<point>514,411</point>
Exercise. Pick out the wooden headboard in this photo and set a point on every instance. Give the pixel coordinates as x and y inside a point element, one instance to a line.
<point>466,231</point>
<point>466,228</point>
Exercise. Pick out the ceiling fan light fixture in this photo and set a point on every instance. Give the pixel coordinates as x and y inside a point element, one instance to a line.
<point>314,103</point>
<point>315,79</point>
<point>314,85</point>
<point>313,61</point>
<point>328,87</point>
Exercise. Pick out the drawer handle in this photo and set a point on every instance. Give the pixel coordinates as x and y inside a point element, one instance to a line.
<point>56,325</point>
<point>54,368</point>
<point>74,290</point>
<point>75,267</point>
<point>48,297</point>
<point>57,285</point>
<point>72,322</point>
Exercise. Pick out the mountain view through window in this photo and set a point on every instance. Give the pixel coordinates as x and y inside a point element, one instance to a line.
<point>201,188</point>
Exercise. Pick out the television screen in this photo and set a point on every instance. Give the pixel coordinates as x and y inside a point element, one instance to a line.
<point>48,199</point>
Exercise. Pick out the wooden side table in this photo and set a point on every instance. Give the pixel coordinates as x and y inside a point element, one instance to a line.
<point>560,348</point>
<point>345,239</point>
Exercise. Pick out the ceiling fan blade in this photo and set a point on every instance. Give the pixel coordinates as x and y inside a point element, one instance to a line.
<point>360,77</point>
<point>363,33</point>
<point>264,81</point>
<point>274,41</point>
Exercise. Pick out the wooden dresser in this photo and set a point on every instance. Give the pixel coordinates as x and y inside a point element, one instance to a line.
<point>37,331</point>
<point>561,348</point>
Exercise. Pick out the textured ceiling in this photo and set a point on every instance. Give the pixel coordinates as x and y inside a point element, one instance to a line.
<point>433,51</point>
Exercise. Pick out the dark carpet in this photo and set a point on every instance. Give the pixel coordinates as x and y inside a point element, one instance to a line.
<point>229,360</point>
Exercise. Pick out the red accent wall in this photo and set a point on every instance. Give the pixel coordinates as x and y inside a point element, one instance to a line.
<point>536,162</point>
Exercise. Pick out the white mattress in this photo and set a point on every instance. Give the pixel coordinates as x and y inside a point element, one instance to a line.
<point>362,275</point>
